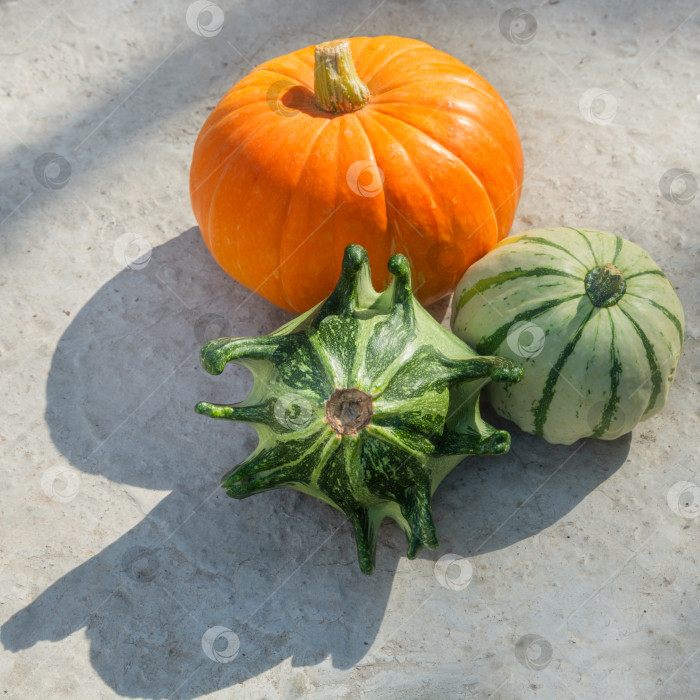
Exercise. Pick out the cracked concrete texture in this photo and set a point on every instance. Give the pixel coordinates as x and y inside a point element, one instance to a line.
<point>119,549</point>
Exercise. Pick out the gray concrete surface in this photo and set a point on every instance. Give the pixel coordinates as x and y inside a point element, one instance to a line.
<point>122,559</point>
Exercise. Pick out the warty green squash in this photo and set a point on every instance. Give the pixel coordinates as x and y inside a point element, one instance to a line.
<point>364,401</point>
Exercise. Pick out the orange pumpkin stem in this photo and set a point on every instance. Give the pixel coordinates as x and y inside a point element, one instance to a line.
<point>337,86</point>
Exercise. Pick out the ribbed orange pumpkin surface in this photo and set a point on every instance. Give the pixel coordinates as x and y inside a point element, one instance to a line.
<point>430,166</point>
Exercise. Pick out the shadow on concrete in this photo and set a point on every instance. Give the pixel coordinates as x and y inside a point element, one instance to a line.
<point>279,570</point>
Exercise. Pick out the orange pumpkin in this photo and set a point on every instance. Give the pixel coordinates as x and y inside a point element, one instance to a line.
<point>384,141</point>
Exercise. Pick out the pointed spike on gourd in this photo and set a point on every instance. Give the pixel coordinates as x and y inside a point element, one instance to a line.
<point>243,489</point>
<point>244,472</point>
<point>505,370</point>
<point>402,294</point>
<point>497,369</point>
<point>401,269</point>
<point>264,469</point>
<point>479,368</point>
<point>496,442</point>
<point>238,485</point>
<point>254,478</point>
<point>343,299</point>
<point>245,414</point>
<point>475,368</point>
<point>354,257</point>
<point>416,543</point>
<point>418,513</point>
<point>217,353</point>
<point>365,529</point>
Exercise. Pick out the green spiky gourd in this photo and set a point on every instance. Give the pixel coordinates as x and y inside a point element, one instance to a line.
<point>364,401</point>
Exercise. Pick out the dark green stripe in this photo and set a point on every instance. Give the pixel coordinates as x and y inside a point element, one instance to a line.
<point>647,272</point>
<point>545,241</point>
<point>541,408</point>
<point>588,243</point>
<point>651,359</point>
<point>488,346</point>
<point>482,285</point>
<point>671,317</point>
<point>615,371</point>
<point>618,248</point>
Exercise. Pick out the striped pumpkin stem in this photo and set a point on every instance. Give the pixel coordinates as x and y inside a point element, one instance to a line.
<point>605,285</point>
<point>337,87</point>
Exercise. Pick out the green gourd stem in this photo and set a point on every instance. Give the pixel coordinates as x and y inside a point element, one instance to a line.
<point>605,285</point>
<point>337,87</point>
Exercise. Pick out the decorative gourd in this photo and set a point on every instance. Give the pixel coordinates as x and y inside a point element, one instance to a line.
<point>594,321</point>
<point>405,150</point>
<point>365,402</point>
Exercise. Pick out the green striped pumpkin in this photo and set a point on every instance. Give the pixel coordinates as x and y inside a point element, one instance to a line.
<point>594,321</point>
<point>365,402</point>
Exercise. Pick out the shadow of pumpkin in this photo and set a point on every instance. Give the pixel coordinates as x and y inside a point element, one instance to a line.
<point>278,570</point>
